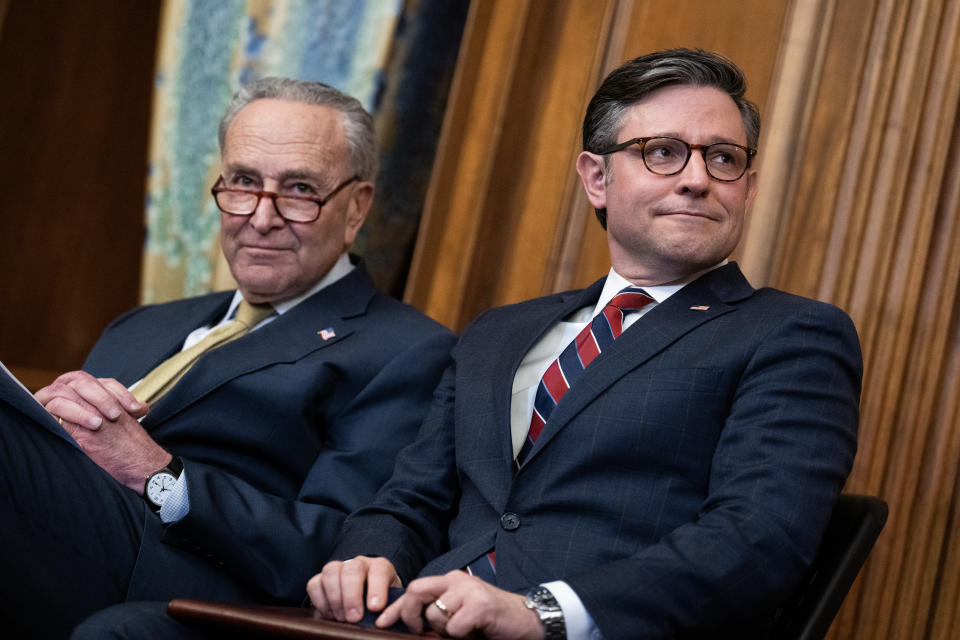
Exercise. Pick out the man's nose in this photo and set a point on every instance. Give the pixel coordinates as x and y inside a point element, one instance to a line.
<point>694,176</point>
<point>266,216</point>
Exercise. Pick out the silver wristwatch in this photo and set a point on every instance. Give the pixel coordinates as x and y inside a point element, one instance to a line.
<point>541,601</point>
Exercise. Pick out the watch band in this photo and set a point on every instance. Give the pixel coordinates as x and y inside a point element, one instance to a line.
<point>542,601</point>
<point>173,468</point>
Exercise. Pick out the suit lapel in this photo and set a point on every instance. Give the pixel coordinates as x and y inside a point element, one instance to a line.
<point>518,333</point>
<point>710,296</point>
<point>288,338</point>
<point>156,346</point>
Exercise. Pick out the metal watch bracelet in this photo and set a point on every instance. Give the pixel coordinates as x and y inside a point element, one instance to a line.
<point>545,605</point>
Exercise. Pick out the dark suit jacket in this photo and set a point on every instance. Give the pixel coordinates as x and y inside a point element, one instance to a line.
<point>681,485</point>
<point>282,432</point>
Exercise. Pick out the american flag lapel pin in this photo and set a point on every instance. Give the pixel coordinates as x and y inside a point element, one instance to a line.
<point>327,333</point>
<point>700,307</point>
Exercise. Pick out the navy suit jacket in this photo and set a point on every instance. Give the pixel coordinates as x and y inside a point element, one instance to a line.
<point>682,484</point>
<point>282,432</point>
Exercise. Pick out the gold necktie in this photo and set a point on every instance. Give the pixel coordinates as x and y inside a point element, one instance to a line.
<point>167,373</point>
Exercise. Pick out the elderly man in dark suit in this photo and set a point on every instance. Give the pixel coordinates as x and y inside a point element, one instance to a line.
<point>671,481</point>
<point>266,414</point>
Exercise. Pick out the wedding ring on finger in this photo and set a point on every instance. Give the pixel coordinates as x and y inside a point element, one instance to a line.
<point>443,608</point>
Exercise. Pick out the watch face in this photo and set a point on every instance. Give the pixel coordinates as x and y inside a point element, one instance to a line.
<point>159,487</point>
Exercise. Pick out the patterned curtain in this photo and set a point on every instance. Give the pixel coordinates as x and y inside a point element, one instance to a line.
<point>207,49</point>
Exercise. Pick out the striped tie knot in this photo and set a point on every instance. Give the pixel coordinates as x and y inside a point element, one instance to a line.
<point>628,299</point>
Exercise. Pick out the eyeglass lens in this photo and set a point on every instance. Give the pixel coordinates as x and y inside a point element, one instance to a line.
<point>245,203</point>
<point>667,156</point>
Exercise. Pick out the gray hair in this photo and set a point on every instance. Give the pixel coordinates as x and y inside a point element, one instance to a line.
<point>357,122</point>
<point>641,76</point>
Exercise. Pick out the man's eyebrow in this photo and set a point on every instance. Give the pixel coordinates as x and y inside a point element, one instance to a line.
<point>724,139</point>
<point>709,140</point>
<point>292,174</point>
<point>239,168</point>
<point>302,174</point>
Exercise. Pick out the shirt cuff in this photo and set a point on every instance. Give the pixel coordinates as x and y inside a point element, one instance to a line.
<point>177,504</point>
<point>579,623</point>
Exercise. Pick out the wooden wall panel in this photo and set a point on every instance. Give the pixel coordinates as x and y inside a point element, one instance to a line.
<point>504,163</point>
<point>859,205</point>
<point>936,568</point>
<point>74,118</point>
<point>908,364</point>
<point>870,214</point>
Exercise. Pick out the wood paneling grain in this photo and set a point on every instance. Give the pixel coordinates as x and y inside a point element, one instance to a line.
<point>456,197</point>
<point>505,161</point>
<point>74,118</point>
<point>938,566</point>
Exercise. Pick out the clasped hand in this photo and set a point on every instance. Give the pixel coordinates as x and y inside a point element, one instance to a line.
<point>456,604</point>
<point>103,417</point>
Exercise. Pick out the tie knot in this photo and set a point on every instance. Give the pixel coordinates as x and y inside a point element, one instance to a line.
<point>250,315</point>
<point>630,298</point>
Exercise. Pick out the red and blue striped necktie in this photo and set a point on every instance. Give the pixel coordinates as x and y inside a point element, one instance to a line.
<point>605,327</point>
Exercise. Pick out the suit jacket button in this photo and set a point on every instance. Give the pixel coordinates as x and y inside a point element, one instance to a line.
<point>510,521</point>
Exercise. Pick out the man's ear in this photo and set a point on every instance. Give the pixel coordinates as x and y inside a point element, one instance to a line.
<point>361,197</point>
<point>593,175</point>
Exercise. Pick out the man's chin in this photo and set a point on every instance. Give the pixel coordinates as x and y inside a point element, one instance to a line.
<point>697,251</point>
<point>258,291</point>
<point>680,263</point>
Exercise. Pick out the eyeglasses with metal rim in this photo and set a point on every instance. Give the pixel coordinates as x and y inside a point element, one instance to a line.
<point>666,156</point>
<point>241,202</point>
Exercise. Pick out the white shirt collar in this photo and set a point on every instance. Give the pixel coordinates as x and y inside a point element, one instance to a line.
<point>615,283</point>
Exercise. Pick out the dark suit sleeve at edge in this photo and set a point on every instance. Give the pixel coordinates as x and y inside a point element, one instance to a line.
<point>407,522</point>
